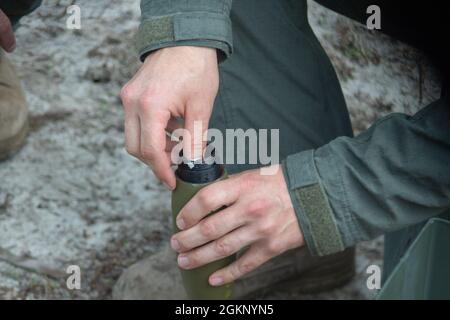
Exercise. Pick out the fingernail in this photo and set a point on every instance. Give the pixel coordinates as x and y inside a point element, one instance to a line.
<point>175,245</point>
<point>183,261</point>
<point>216,281</point>
<point>181,224</point>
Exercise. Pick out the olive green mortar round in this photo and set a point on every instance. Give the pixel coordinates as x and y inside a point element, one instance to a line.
<point>195,281</point>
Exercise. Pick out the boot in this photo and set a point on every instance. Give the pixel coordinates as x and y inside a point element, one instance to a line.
<point>158,276</point>
<point>13,110</point>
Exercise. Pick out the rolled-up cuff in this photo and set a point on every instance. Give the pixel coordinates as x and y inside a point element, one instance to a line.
<point>311,204</point>
<point>193,28</point>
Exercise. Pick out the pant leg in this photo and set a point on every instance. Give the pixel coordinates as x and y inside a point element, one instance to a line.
<point>16,9</point>
<point>279,77</point>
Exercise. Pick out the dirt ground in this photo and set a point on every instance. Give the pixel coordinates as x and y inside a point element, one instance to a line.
<point>73,195</point>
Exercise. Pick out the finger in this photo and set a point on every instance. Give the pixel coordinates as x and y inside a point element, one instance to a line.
<point>254,257</point>
<point>7,38</point>
<point>207,200</point>
<point>221,248</point>
<point>132,134</point>
<point>209,229</point>
<point>196,123</point>
<point>153,144</point>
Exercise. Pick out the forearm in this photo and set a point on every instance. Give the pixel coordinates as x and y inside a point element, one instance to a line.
<point>178,22</point>
<point>394,175</point>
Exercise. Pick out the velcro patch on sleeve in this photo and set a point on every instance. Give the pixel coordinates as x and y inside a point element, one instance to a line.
<point>322,226</point>
<point>155,30</point>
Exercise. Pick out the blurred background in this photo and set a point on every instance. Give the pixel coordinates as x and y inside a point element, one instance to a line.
<point>73,195</point>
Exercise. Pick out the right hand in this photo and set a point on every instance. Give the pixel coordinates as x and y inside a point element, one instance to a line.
<point>7,38</point>
<point>172,83</point>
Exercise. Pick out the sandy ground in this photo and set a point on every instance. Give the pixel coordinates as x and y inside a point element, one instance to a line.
<point>74,196</point>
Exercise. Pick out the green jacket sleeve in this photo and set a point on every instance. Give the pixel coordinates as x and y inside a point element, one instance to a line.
<point>167,23</point>
<point>395,174</point>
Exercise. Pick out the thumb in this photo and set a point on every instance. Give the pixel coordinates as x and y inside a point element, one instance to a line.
<point>196,124</point>
<point>7,38</point>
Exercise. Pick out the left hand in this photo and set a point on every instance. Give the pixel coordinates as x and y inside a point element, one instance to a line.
<point>259,215</point>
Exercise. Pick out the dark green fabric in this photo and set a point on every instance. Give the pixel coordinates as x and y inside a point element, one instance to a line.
<point>300,173</point>
<point>326,237</point>
<point>278,74</point>
<point>423,272</point>
<point>311,204</point>
<point>424,27</point>
<point>262,87</point>
<point>179,22</point>
<point>392,176</point>
<point>16,9</point>
<point>279,77</point>
<point>396,243</point>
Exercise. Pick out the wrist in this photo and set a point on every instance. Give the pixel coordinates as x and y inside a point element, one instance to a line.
<point>214,46</point>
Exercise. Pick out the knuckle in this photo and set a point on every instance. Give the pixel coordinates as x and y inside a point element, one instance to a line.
<point>266,229</point>
<point>193,259</point>
<point>234,271</point>
<point>248,181</point>
<point>145,100</point>
<point>127,95</point>
<point>207,229</point>
<point>246,267</point>
<point>274,247</point>
<point>224,248</point>
<point>150,96</point>
<point>257,208</point>
<point>205,199</point>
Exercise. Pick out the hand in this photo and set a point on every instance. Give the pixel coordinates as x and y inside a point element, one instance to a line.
<point>7,38</point>
<point>172,83</point>
<point>259,214</point>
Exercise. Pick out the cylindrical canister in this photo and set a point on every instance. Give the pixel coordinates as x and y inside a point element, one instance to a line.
<point>191,178</point>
